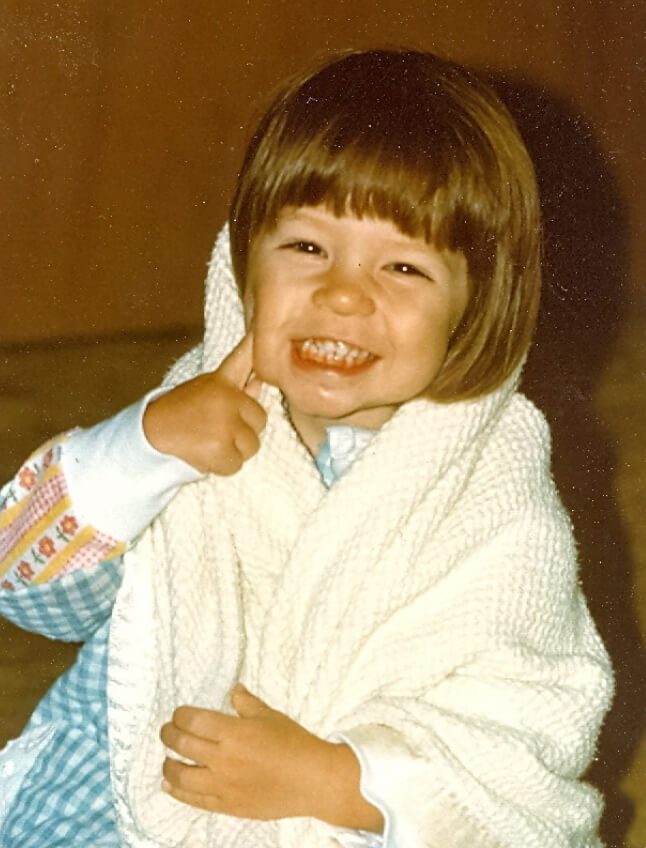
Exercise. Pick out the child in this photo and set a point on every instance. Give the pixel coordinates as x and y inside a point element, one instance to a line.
<point>386,646</point>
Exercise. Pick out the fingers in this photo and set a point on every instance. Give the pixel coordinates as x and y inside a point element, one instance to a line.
<point>200,800</point>
<point>196,781</point>
<point>238,365</point>
<point>187,744</point>
<point>253,414</point>
<point>195,732</point>
<point>246,435</point>
<point>246,442</point>
<point>246,704</point>
<point>238,369</point>
<point>194,735</point>
<point>253,387</point>
<point>207,724</point>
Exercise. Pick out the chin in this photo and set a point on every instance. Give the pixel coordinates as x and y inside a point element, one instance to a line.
<point>321,404</point>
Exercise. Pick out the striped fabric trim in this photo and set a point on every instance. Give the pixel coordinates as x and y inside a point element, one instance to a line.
<point>62,557</point>
<point>40,536</point>
<point>88,548</point>
<point>28,487</point>
<point>33,533</point>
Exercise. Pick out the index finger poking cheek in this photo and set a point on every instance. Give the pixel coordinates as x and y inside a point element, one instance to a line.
<point>238,365</point>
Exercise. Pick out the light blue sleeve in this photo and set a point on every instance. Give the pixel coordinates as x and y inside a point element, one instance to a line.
<point>70,609</point>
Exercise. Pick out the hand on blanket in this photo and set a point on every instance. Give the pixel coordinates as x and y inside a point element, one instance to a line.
<point>212,421</point>
<point>262,765</point>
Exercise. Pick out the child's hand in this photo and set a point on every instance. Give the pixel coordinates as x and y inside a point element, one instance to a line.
<point>212,421</point>
<point>262,765</point>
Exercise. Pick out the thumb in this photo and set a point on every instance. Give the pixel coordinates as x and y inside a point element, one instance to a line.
<point>246,704</point>
<point>238,365</point>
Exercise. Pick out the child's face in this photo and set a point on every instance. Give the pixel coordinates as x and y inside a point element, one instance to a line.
<point>351,318</point>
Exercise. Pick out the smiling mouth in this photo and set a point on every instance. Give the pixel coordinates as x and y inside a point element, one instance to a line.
<point>330,353</point>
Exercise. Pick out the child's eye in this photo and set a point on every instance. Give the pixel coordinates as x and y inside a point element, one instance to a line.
<point>408,269</point>
<point>304,247</point>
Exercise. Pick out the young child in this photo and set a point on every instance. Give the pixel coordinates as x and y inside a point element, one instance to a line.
<point>351,616</point>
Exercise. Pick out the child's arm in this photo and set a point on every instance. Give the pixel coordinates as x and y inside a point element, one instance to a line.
<point>59,573</point>
<point>81,499</point>
<point>261,764</point>
<point>57,576</point>
<point>124,471</point>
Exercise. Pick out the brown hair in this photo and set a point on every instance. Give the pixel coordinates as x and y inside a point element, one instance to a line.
<point>420,141</point>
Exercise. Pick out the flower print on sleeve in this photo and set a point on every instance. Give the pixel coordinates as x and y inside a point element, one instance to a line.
<point>41,537</point>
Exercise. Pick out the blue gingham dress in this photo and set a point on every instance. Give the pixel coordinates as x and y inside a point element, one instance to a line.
<point>61,796</point>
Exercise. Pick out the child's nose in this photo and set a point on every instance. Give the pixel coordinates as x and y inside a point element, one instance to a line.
<point>345,294</point>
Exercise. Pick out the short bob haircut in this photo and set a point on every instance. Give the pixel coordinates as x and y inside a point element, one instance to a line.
<point>421,142</point>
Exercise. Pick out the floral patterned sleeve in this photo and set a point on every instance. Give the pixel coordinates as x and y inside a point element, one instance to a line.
<point>41,536</point>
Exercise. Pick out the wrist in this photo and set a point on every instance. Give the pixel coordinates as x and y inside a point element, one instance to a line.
<point>116,453</point>
<point>152,426</point>
<point>339,797</point>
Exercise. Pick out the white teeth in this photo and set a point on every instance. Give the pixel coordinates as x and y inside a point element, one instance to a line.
<point>326,350</point>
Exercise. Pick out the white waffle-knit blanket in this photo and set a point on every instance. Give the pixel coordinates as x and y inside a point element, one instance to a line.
<point>426,606</point>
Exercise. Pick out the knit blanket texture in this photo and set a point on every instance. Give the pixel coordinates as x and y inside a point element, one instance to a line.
<point>426,606</point>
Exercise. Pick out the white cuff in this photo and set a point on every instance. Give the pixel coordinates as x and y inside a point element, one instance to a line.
<point>117,480</point>
<point>418,806</point>
<point>366,787</point>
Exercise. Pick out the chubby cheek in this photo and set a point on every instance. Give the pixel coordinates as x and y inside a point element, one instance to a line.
<point>429,352</point>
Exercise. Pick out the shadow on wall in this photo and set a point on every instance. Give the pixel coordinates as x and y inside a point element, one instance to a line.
<point>585,267</point>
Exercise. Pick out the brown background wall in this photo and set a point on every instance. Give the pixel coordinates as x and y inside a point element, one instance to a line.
<point>122,124</point>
